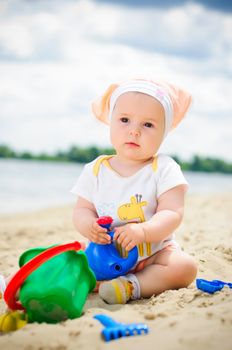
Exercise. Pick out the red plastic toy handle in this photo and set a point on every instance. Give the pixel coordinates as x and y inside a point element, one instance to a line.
<point>105,220</point>
<point>20,276</point>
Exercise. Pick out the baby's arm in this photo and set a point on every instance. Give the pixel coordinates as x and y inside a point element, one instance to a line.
<point>167,218</point>
<point>85,221</point>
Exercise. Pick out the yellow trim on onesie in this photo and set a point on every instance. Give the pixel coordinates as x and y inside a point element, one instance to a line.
<point>104,160</point>
<point>101,160</point>
<point>155,164</point>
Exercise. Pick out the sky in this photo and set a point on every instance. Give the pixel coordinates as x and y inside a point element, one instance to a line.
<point>57,56</point>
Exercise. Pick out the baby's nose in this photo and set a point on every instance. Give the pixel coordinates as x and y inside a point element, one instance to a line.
<point>135,131</point>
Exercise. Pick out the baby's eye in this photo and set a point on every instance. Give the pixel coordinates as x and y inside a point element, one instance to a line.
<point>148,125</point>
<point>124,120</point>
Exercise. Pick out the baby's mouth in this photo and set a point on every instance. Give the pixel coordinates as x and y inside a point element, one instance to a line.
<point>132,144</point>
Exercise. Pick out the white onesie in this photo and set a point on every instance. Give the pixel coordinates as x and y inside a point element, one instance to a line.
<point>132,198</point>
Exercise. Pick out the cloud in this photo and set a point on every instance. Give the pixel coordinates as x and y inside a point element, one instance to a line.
<point>64,32</point>
<point>56,57</point>
<point>180,31</point>
<point>221,5</point>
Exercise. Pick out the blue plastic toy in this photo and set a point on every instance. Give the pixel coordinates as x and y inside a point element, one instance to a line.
<point>105,260</point>
<point>115,330</point>
<point>211,286</point>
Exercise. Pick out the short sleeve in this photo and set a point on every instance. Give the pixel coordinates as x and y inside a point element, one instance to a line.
<point>84,186</point>
<point>169,175</point>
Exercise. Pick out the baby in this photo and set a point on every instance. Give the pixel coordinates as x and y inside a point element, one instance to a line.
<point>142,191</point>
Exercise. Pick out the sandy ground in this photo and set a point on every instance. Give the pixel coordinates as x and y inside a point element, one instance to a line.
<point>185,319</point>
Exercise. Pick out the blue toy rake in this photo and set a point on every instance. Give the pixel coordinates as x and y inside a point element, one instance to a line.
<point>115,330</point>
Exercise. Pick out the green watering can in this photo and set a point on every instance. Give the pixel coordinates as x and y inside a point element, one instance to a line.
<point>53,283</point>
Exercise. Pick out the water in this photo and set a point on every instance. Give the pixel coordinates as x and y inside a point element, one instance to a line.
<point>30,185</point>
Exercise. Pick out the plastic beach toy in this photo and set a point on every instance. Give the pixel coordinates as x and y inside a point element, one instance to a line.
<point>115,330</point>
<point>211,286</point>
<point>105,260</point>
<point>54,283</point>
<point>12,320</point>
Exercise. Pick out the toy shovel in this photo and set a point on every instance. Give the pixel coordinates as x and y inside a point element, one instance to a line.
<point>115,330</point>
<point>211,286</point>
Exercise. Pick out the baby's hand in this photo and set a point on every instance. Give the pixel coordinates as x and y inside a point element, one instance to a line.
<point>99,234</point>
<point>129,235</point>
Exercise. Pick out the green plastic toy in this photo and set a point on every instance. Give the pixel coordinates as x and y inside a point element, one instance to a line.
<point>56,282</point>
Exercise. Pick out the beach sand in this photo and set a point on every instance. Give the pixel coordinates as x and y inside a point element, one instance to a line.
<point>185,319</point>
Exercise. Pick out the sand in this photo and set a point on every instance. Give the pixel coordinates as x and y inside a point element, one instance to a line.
<point>178,319</point>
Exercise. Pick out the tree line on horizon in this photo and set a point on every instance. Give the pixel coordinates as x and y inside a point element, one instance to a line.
<point>85,155</point>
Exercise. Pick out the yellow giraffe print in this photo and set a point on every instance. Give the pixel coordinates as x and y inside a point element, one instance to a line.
<point>133,212</point>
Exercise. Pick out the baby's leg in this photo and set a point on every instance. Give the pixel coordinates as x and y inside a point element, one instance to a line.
<point>167,269</point>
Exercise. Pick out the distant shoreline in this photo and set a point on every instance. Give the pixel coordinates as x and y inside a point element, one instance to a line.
<point>80,155</point>
<point>28,185</point>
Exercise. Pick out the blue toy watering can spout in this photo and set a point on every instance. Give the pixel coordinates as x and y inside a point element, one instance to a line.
<point>105,260</point>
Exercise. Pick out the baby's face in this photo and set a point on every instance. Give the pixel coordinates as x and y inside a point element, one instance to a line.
<point>137,126</point>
